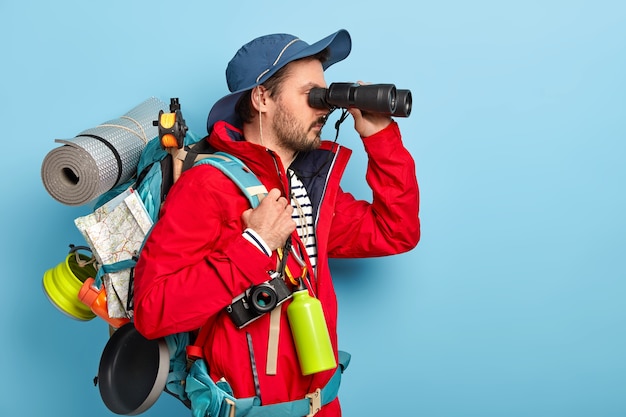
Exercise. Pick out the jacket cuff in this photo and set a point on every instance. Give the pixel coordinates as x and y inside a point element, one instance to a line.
<point>391,131</point>
<point>253,237</point>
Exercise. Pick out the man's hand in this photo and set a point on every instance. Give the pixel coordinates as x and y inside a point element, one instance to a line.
<point>366,124</point>
<point>271,220</point>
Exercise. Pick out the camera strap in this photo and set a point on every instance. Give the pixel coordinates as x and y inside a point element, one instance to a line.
<point>272,341</point>
<point>274,329</point>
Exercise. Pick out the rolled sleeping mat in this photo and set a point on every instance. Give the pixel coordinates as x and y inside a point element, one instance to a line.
<point>100,158</point>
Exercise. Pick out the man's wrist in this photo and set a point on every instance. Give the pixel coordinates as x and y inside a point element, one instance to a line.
<point>253,237</point>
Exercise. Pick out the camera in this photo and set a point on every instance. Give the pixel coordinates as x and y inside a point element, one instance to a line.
<point>372,98</point>
<point>258,300</point>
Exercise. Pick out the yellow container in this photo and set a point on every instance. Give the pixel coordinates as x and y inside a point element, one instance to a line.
<point>63,282</point>
<point>310,334</point>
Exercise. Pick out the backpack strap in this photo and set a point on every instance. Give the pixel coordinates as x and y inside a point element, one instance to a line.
<point>112,267</point>
<point>239,173</point>
<point>214,399</point>
<point>193,153</point>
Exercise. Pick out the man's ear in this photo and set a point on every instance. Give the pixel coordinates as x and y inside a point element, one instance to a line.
<point>259,98</point>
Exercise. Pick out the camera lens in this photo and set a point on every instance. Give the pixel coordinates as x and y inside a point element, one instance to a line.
<point>263,298</point>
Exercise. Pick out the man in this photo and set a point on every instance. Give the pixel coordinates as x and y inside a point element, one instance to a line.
<point>209,246</point>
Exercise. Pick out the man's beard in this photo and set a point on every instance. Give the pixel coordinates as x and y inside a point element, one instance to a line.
<point>291,134</point>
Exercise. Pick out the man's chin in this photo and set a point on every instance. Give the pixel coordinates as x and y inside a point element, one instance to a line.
<point>317,142</point>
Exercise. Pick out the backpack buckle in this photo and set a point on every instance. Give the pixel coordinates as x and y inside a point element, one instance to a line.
<point>315,402</point>
<point>231,403</point>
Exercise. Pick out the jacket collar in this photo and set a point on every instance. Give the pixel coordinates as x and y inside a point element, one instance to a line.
<point>265,163</point>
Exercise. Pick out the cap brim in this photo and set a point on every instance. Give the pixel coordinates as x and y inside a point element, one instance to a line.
<point>339,45</point>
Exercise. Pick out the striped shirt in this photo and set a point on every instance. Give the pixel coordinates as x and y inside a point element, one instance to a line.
<point>303,216</point>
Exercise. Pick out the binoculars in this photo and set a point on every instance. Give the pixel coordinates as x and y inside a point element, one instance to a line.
<point>372,98</point>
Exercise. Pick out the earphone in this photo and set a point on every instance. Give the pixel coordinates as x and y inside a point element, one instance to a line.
<point>260,122</point>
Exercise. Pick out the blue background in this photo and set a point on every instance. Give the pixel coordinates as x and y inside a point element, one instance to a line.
<point>512,304</point>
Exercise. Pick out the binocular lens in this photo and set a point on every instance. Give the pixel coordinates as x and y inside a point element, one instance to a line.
<point>404,102</point>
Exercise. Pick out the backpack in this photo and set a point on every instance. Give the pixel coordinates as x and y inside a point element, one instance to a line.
<point>127,385</point>
<point>133,370</point>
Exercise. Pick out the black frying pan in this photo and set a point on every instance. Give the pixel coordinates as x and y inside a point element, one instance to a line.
<point>133,371</point>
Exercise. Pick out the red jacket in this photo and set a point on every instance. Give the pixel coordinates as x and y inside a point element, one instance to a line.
<point>196,261</point>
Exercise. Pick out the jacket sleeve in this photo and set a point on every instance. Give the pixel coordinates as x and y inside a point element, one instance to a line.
<point>390,223</point>
<point>195,260</point>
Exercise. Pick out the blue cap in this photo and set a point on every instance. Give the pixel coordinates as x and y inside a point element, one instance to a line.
<point>260,58</point>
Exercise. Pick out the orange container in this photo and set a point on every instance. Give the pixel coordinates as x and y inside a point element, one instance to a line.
<point>96,299</point>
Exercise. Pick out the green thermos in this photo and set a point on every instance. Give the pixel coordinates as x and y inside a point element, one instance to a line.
<point>310,333</point>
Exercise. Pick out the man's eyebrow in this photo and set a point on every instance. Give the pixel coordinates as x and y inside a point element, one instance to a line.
<point>310,85</point>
